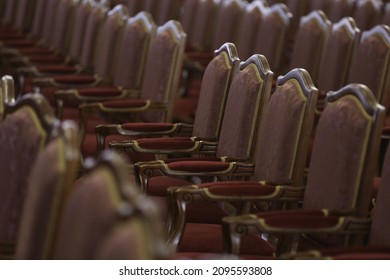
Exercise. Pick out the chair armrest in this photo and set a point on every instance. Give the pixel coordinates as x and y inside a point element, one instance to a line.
<point>290,222</point>
<point>73,80</point>
<point>199,167</point>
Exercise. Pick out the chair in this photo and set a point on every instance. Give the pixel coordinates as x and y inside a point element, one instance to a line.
<point>159,85</point>
<point>208,120</point>
<point>339,179</point>
<point>24,132</point>
<point>367,13</point>
<point>339,9</point>
<point>386,14</point>
<point>22,19</point>
<point>271,38</point>
<point>375,228</point>
<point>313,31</point>
<point>370,63</point>
<point>50,181</point>
<point>97,202</point>
<point>251,21</point>
<point>289,115</point>
<point>246,102</point>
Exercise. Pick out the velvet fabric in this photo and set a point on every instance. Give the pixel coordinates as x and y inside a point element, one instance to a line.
<point>21,140</point>
<point>89,213</point>
<point>161,56</point>
<point>242,113</point>
<point>308,45</point>
<point>99,92</point>
<point>56,69</point>
<point>74,79</point>
<point>42,205</point>
<point>368,65</point>
<point>212,98</point>
<point>128,103</point>
<point>238,188</point>
<point>280,134</point>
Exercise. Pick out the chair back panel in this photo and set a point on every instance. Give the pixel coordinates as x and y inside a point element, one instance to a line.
<point>51,178</point>
<point>228,21</point>
<point>272,35</point>
<point>309,42</point>
<point>91,209</point>
<point>92,28</point>
<point>371,61</point>
<point>49,16</point>
<point>63,24</point>
<point>204,25</point>
<point>133,51</point>
<point>82,13</point>
<point>339,9</point>
<point>251,21</point>
<point>163,69</point>
<point>39,12</point>
<point>214,90</point>
<point>135,6</point>
<point>24,132</point>
<point>168,9</point>
<point>336,57</point>
<point>152,7</point>
<point>109,40</point>
<point>11,7</point>
<point>187,17</point>
<point>247,99</point>
<point>345,151</point>
<point>367,13</point>
<point>380,226</point>
<point>322,5</point>
<point>286,126</point>
<point>24,14</point>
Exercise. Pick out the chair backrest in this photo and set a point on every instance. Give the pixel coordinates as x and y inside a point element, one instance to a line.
<point>152,7</point>
<point>386,14</point>
<point>227,23</point>
<point>247,99</point>
<point>339,9</point>
<point>337,54</point>
<point>91,208</point>
<point>371,61</point>
<point>138,236</point>
<point>24,132</point>
<point>380,226</point>
<point>93,25</point>
<point>10,9</point>
<point>271,37</point>
<point>168,9</point>
<point>133,51</point>
<point>251,21</point>
<point>63,24</point>
<point>109,40</point>
<point>283,137</point>
<point>83,11</point>
<point>52,176</point>
<point>345,151</point>
<point>367,13</point>
<point>309,42</point>
<point>298,9</point>
<point>38,18</point>
<point>204,25</point>
<point>187,17</point>
<point>163,69</point>
<point>322,5</point>
<point>24,14</point>
<point>49,15</point>
<point>135,6</point>
<point>213,92</point>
